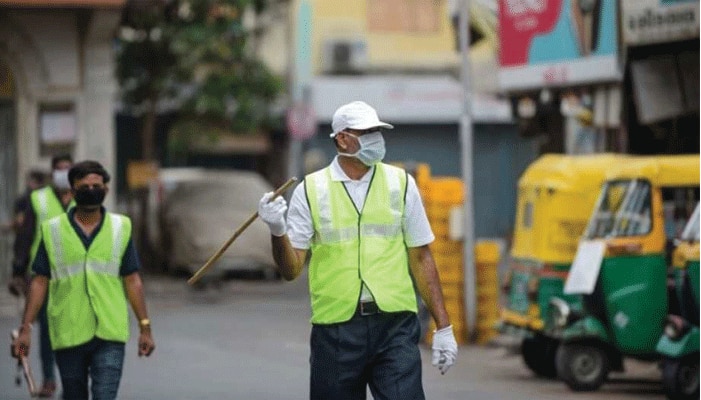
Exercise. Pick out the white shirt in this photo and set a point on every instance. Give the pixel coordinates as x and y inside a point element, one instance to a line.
<point>417,231</point>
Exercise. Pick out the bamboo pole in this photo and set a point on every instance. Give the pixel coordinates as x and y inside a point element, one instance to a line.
<point>236,234</point>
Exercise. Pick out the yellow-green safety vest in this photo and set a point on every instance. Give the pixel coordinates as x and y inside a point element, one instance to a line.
<point>46,206</point>
<point>351,246</point>
<point>87,298</point>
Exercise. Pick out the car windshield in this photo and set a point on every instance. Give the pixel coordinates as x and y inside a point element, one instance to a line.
<point>623,209</point>
<point>691,230</point>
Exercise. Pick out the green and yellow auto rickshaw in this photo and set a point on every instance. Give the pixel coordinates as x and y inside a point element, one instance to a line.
<point>621,269</point>
<point>555,197</point>
<point>679,346</point>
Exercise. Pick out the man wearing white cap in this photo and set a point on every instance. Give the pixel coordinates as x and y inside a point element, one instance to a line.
<point>364,225</point>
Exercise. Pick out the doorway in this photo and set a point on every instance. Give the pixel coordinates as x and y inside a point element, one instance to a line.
<point>8,166</point>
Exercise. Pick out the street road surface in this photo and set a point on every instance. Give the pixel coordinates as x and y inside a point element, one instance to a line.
<point>249,340</point>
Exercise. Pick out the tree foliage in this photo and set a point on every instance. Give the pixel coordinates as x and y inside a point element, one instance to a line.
<point>198,56</point>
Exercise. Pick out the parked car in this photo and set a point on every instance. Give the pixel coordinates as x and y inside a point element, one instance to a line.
<point>198,213</point>
<point>158,191</point>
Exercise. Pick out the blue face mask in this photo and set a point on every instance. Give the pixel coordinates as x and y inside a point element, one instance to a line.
<point>372,149</point>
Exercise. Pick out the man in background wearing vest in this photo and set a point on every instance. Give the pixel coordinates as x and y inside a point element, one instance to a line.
<point>35,179</point>
<point>44,203</point>
<point>87,262</point>
<point>366,229</point>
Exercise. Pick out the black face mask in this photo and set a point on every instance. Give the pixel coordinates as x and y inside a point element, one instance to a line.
<point>89,196</point>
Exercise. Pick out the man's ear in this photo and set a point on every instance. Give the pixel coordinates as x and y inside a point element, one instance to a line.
<point>342,141</point>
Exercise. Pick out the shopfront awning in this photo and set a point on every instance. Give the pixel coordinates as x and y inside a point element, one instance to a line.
<point>406,99</point>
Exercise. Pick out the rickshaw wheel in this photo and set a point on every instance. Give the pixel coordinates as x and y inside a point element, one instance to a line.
<point>680,377</point>
<point>583,366</point>
<point>539,355</point>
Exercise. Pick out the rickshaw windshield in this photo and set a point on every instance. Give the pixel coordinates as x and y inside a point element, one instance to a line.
<point>691,230</point>
<point>623,209</point>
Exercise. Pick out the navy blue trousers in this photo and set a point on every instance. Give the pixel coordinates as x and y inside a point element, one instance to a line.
<point>378,351</point>
<point>99,360</point>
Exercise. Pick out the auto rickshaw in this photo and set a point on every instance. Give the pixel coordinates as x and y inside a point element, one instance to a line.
<point>556,194</point>
<point>621,269</point>
<point>679,346</point>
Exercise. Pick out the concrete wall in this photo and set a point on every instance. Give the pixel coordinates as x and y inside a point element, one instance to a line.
<point>387,48</point>
<point>61,57</point>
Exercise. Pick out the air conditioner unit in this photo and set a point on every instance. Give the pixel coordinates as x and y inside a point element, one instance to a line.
<point>343,56</point>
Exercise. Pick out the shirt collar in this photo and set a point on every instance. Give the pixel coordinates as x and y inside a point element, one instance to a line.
<point>87,240</point>
<point>337,173</point>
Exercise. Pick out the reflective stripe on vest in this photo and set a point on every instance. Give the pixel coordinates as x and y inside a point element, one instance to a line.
<point>86,292</point>
<point>45,205</point>
<point>350,247</point>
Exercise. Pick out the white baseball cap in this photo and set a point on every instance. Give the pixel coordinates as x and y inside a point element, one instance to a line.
<point>356,115</point>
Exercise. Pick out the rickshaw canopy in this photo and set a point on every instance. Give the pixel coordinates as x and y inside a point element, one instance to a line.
<point>568,172</point>
<point>661,171</point>
<point>556,195</point>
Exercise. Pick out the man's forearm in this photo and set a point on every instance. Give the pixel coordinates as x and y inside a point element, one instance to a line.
<point>135,293</point>
<point>37,295</point>
<point>288,260</point>
<point>423,268</point>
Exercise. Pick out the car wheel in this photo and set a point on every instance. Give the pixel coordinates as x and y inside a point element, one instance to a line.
<point>680,377</point>
<point>583,366</point>
<point>538,353</point>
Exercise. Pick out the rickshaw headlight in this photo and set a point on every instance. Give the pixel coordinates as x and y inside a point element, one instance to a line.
<point>676,327</point>
<point>559,312</point>
<point>671,331</point>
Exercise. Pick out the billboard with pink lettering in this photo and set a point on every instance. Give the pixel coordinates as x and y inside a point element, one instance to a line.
<point>557,43</point>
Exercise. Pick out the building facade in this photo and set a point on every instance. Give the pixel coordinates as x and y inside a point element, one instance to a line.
<point>58,68</point>
<point>606,75</point>
<point>402,58</point>
<point>57,88</point>
<point>660,41</point>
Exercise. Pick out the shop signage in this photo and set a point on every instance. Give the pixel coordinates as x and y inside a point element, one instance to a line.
<point>557,43</point>
<point>659,21</point>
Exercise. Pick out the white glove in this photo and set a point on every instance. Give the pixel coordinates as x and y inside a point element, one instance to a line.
<point>445,349</point>
<point>273,213</point>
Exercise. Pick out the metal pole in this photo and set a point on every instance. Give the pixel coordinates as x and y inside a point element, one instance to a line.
<point>301,76</point>
<point>466,149</point>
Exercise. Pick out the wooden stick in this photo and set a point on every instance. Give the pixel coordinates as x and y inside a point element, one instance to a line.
<point>26,369</point>
<point>236,234</point>
<point>28,376</point>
